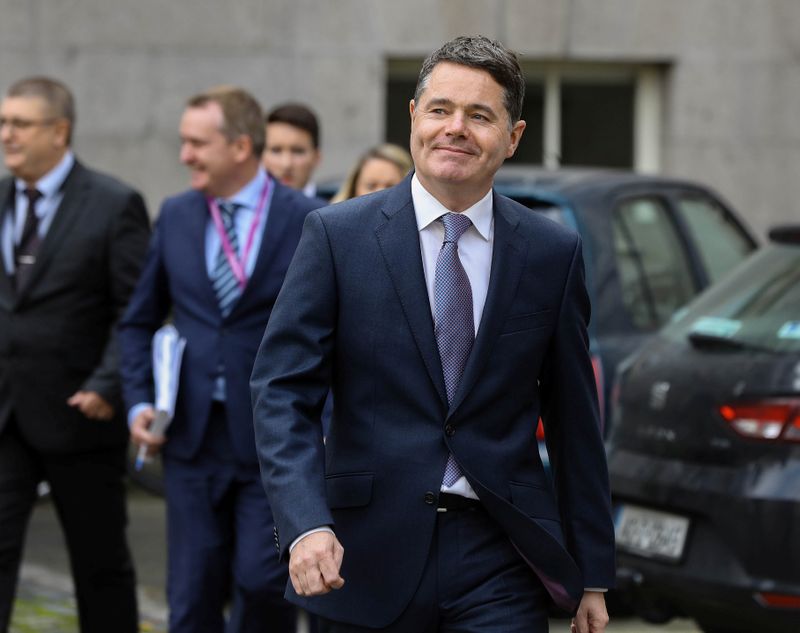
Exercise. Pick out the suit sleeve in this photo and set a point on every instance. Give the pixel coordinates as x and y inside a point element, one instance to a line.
<point>574,440</point>
<point>127,244</point>
<point>147,309</point>
<point>290,381</point>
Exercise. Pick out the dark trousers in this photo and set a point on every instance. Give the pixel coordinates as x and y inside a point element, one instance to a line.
<point>220,544</point>
<point>89,495</point>
<point>474,582</point>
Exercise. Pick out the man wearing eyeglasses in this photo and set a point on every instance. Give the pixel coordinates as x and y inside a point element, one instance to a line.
<point>72,243</point>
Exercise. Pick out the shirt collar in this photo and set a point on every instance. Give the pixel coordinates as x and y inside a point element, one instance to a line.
<point>248,196</point>
<point>310,190</point>
<point>50,184</point>
<point>428,209</point>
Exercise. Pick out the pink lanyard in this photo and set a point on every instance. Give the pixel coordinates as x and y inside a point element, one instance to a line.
<point>238,265</point>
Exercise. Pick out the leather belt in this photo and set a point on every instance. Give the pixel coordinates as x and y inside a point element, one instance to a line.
<point>456,503</point>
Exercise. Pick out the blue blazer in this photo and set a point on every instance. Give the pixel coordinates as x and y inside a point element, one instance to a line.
<point>354,312</point>
<point>175,282</point>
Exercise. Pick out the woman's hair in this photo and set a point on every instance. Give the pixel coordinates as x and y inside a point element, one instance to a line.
<point>394,154</point>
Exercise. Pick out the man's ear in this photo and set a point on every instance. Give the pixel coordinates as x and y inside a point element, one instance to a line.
<point>412,108</point>
<point>62,128</point>
<point>516,137</point>
<point>243,147</point>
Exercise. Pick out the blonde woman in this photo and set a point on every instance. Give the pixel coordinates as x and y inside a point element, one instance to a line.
<point>379,168</point>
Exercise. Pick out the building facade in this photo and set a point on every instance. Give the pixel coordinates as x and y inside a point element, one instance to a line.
<point>706,89</point>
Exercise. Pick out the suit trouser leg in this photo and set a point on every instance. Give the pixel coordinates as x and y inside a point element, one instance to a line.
<point>259,578</point>
<point>474,582</point>
<point>198,552</point>
<point>19,475</point>
<point>88,490</point>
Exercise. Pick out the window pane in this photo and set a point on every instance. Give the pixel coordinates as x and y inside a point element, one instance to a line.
<point>531,147</point>
<point>399,91</point>
<point>723,243</point>
<point>597,124</point>
<point>654,273</point>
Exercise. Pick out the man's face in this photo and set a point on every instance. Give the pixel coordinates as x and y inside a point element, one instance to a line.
<point>215,163</point>
<point>34,140</point>
<point>290,154</point>
<point>460,132</point>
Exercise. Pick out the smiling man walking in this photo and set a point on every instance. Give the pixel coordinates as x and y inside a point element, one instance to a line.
<point>447,319</point>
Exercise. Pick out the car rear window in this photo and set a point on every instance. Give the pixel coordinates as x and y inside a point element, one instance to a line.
<point>756,306</point>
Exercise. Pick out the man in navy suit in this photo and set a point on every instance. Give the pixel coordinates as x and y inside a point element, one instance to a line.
<point>447,319</point>
<point>216,262</point>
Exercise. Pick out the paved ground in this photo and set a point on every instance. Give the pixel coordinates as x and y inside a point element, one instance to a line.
<point>45,603</point>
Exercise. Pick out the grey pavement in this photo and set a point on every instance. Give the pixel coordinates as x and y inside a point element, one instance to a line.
<point>45,603</point>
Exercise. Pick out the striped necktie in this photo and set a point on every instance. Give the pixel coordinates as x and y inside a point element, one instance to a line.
<point>226,286</point>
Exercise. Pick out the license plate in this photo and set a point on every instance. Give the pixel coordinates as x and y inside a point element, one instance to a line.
<point>650,532</point>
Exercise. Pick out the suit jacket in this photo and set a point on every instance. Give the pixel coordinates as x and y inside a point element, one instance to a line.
<point>57,332</point>
<point>354,310</point>
<point>175,280</point>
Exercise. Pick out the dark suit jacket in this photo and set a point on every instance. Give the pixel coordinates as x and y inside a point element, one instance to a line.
<point>354,310</point>
<point>57,332</point>
<point>175,279</point>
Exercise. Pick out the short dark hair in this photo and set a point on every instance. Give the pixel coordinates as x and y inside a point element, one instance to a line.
<point>241,113</point>
<point>57,96</point>
<point>296,115</point>
<point>478,51</point>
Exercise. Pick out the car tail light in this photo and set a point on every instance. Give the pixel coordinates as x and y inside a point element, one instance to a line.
<point>778,600</point>
<point>597,367</point>
<point>772,420</point>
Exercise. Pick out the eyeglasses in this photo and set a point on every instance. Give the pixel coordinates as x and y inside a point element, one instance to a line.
<point>24,124</point>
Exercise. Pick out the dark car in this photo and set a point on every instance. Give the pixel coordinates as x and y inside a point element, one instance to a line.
<point>650,245</point>
<point>704,454</point>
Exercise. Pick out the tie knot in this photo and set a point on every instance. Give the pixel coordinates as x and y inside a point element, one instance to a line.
<point>454,226</point>
<point>227,208</point>
<point>33,196</point>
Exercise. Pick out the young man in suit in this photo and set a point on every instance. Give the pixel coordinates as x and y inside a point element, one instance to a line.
<point>448,319</point>
<point>291,152</point>
<point>216,263</point>
<point>72,244</point>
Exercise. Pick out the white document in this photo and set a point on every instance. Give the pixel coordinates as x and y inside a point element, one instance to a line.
<point>168,346</point>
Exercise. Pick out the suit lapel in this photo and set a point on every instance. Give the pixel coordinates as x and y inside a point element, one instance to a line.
<point>6,290</point>
<point>508,259</point>
<point>398,238</point>
<point>273,233</point>
<point>76,188</point>
<point>195,238</point>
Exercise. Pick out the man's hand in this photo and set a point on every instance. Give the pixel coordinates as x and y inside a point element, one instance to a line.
<point>314,564</point>
<point>141,435</point>
<point>592,616</point>
<point>92,405</point>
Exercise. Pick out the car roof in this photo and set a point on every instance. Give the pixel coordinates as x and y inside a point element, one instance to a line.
<point>574,181</point>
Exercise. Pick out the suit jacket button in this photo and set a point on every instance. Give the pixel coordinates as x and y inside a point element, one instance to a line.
<point>430,498</point>
<point>450,430</point>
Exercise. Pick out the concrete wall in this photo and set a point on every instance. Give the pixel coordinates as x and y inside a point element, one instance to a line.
<point>732,91</point>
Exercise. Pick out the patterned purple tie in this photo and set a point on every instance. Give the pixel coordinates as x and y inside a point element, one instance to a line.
<point>455,325</point>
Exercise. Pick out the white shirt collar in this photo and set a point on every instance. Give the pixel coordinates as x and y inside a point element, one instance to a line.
<point>428,209</point>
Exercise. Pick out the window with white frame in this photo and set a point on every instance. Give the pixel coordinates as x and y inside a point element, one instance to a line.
<point>578,114</point>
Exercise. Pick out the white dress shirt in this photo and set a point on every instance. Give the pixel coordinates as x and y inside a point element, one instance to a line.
<point>475,252</point>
